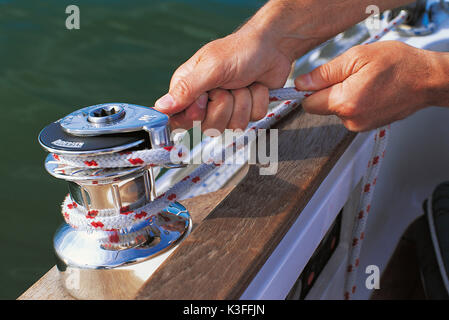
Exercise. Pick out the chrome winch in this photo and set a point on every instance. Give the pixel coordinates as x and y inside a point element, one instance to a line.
<point>113,262</point>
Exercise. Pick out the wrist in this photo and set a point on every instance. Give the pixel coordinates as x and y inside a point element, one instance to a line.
<point>297,26</point>
<point>279,25</point>
<point>437,88</point>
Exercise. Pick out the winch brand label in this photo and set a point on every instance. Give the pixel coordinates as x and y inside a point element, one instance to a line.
<point>67,144</point>
<point>146,117</point>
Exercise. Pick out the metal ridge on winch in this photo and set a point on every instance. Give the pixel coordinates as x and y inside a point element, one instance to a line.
<point>105,231</point>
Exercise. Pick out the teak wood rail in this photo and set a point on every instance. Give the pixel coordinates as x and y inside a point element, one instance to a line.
<point>237,228</point>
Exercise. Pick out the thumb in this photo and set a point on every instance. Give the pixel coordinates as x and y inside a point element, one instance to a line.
<point>324,76</point>
<point>189,82</point>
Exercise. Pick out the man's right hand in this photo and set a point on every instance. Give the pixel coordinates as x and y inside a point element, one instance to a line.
<point>225,84</point>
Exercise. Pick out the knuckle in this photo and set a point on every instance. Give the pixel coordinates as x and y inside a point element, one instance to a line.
<point>211,58</point>
<point>242,99</point>
<point>195,115</point>
<point>342,106</point>
<point>356,51</point>
<point>240,92</point>
<point>396,45</point>
<point>352,125</point>
<point>325,72</point>
<point>306,106</point>
<point>337,100</point>
<point>260,101</point>
<point>211,46</point>
<point>238,122</point>
<point>183,87</point>
<point>348,110</point>
<point>212,130</point>
<point>259,88</point>
<point>259,111</point>
<point>211,54</point>
<point>179,122</point>
<point>258,114</point>
<point>215,94</point>
<point>222,96</point>
<point>259,92</point>
<point>237,125</point>
<point>356,58</point>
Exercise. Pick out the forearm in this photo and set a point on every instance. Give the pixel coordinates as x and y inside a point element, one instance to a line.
<point>438,80</point>
<point>296,26</point>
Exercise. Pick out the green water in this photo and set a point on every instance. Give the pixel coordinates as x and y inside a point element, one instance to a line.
<point>124,51</point>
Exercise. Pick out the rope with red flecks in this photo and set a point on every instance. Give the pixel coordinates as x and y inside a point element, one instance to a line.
<point>120,225</point>
<point>129,218</point>
<point>369,181</point>
<point>364,206</point>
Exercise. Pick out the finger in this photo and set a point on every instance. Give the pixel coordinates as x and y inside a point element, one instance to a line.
<point>198,75</point>
<point>328,74</point>
<point>355,126</point>
<point>242,109</point>
<point>323,102</point>
<point>195,112</point>
<point>219,111</point>
<point>260,99</point>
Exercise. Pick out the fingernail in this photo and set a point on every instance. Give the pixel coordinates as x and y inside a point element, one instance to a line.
<point>165,102</point>
<point>202,101</point>
<point>304,81</point>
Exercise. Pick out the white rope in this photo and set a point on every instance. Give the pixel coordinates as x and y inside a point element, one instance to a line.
<point>369,181</point>
<point>78,217</point>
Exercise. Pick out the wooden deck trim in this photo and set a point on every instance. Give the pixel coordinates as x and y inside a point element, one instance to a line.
<point>224,253</point>
<point>237,228</point>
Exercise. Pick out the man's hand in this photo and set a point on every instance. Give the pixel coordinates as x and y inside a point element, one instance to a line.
<point>231,76</point>
<point>225,84</point>
<point>373,85</point>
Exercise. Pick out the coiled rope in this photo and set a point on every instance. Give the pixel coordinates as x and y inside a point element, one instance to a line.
<point>129,220</point>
